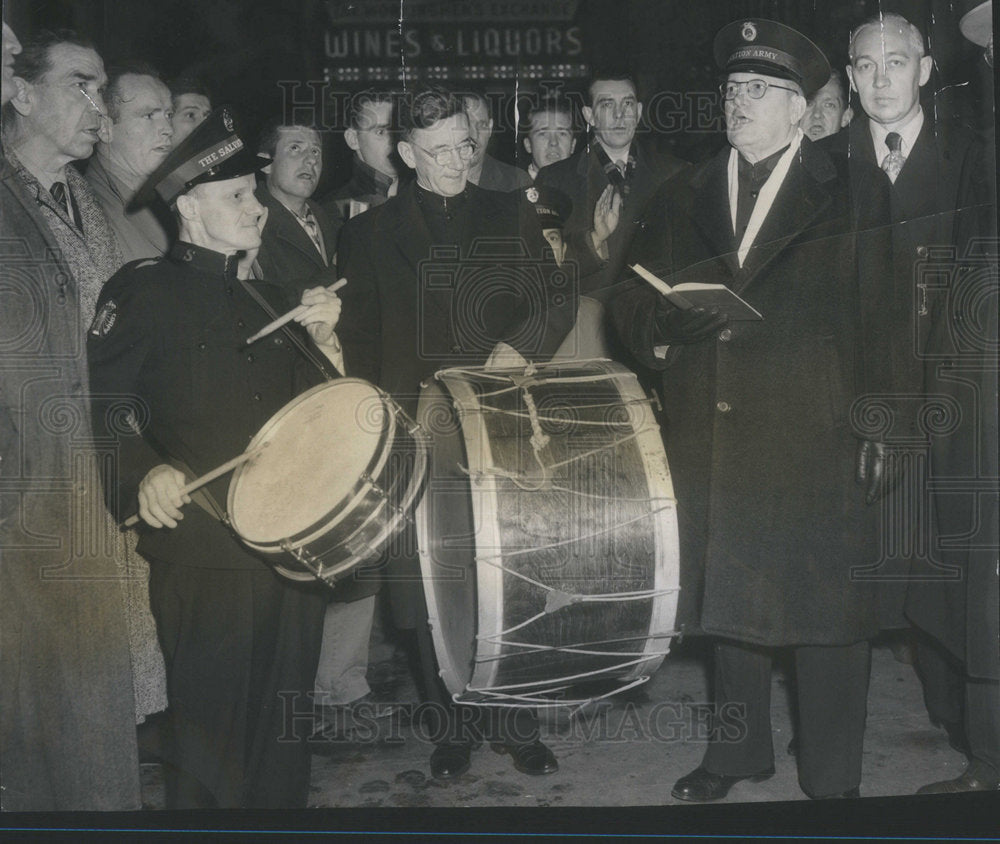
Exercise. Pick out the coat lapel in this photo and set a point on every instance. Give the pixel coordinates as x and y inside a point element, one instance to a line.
<point>915,186</point>
<point>800,200</point>
<point>711,210</point>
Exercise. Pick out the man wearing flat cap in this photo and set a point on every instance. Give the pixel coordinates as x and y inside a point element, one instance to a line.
<point>758,418</point>
<point>178,393</point>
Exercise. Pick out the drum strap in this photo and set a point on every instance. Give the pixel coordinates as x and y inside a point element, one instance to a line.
<point>202,497</point>
<point>287,330</point>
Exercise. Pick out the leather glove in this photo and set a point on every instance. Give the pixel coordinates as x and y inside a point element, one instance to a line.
<point>680,327</point>
<point>875,470</point>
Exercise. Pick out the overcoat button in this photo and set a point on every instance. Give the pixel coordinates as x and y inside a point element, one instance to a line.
<point>723,407</point>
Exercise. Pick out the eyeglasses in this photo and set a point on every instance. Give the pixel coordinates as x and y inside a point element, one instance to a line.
<point>442,157</point>
<point>756,88</point>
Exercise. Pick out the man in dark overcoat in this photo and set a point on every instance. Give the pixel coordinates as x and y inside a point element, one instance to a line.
<point>923,157</point>
<point>962,614</point>
<point>179,393</point>
<point>757,428</point>
<point>411,263</point>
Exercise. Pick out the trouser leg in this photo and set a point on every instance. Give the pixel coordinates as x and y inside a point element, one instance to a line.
<point>943,682</point>
<point>343,659</point>
<point>740,743</point>
<point>832,685</point>
<point>982,722</point>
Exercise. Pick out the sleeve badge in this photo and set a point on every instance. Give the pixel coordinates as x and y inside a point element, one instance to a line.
<point>105,319</point>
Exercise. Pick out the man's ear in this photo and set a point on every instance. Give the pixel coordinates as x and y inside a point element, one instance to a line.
<point>850,78</point>
<point>798,109</point>
<point>187,207</point>
<point>405,151</point>
<point>846,117</point>
<point>351,138</point>
<point>638,112</point>
<point>926,63</point>
<point>588,115</point>
<point>527,144</point>
<point>22,100</point>
<point>572,146</point>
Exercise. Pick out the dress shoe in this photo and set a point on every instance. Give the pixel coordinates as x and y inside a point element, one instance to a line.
<point>450,760</point>
<point>977,777</point>
<point>701,786</point>
<point>534,758</point>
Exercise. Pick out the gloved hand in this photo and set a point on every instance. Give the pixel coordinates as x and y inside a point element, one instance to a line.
<point>875,470</point>
<point>676,326</point>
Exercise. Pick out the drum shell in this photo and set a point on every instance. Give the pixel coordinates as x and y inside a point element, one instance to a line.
<point>476,654</point>
<point>360,525</point>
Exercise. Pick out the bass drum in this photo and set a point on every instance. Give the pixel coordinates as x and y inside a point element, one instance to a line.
<point>338,477</point>
<point>547,532</point>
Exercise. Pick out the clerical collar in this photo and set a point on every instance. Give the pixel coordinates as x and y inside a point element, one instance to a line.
<point>204,260</point>
<point>437,204</point>
<point>757,174</point>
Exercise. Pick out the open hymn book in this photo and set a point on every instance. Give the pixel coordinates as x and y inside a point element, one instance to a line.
<point>696,294</point>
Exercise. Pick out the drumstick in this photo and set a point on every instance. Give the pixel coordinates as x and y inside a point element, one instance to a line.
<point>288,317</point>
<point>208,477</point>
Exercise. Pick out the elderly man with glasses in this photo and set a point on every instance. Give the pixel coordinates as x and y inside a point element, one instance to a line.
<point>414,265</point>
<point>758,428</point>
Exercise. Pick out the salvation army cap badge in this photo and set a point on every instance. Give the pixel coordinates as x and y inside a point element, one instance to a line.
<point>749,31</point>
<point>105,319</point>
<point>227,120</point>
<point>531,194</point>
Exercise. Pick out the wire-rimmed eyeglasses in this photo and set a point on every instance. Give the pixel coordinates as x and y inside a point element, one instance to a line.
<point>756,88</point>
<point>442,157</point>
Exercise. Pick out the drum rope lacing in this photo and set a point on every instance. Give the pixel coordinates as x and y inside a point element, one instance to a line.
<point>495,698</point>
<point>556,599</point>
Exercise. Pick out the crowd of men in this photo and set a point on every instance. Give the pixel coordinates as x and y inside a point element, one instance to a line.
<point>144,238</point>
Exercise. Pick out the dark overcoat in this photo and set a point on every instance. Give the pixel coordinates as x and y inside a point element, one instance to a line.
<point>757,430</point>
<point>414,304</point>
<point>960,605</point>
<point>897,309</point>
<point>67,713</point>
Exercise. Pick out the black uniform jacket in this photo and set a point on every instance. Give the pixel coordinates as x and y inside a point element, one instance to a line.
<point>758,430</point>
<point>166,352</point>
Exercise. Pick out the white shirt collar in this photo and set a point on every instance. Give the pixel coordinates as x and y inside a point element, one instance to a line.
<point>908,133</point>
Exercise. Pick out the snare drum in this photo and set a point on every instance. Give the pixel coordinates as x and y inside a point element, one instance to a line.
<point>339,477</point>
<point>547,531</point>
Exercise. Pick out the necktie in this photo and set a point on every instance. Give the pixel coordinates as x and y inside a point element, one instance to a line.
<point>312,229</point>
<point>621,166</point>
<point>58,191</point>
<point>895,160</point>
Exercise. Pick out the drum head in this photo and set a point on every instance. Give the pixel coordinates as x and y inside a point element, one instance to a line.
<point>317,448</point>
